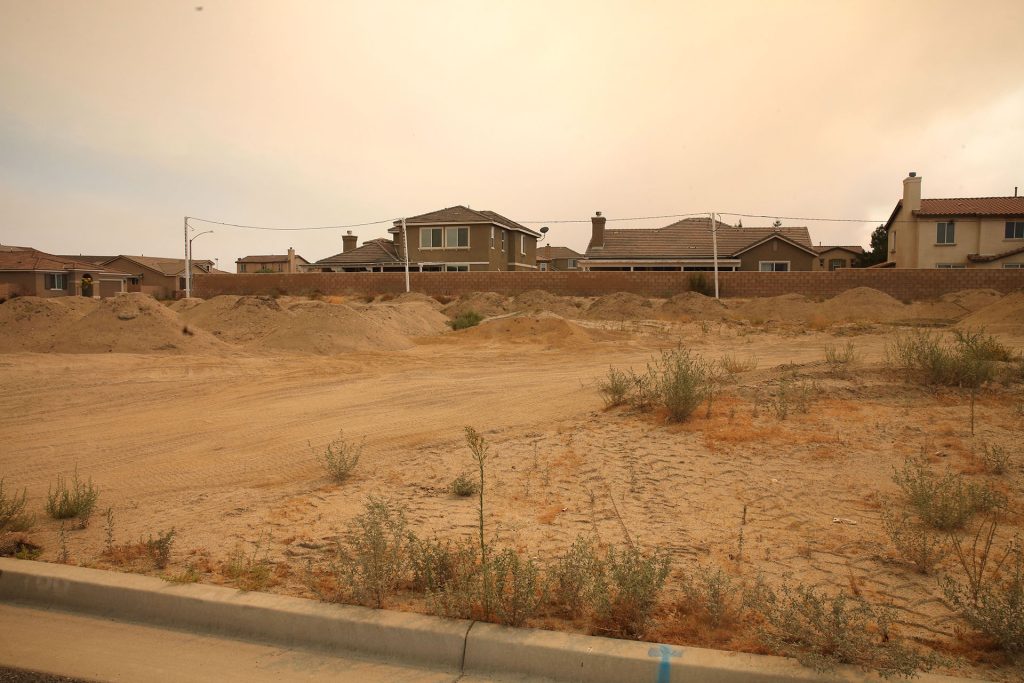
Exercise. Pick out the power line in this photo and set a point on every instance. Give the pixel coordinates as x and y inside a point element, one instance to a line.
<point>262,227</point>
<point>800,218</point>
<point>635,218</point>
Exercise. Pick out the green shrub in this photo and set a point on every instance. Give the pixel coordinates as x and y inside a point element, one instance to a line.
<point>712,595</point>
<point>944,502</point>
<point>466,319</point>
<point>159,548</point>
<point>615,388</point>
<point>339,457</point>
<point>990,596</point>
<point>571,579</point>
<point>626,591</point>
<point>77,501</point>
<point>823,631</point>
<point>966,361</point>
<point>916,542</point>
<point>684,381</point>
<point>462,486</point>
<point>12,511</point>
<point>377,553</point>
<point>435,565</point>
<point>516,586</point>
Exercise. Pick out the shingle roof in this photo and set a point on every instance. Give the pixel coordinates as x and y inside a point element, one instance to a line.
<point>856,249</point>
<point>33,259</point>
<point>165,265</point>
<point>269,258</point>
<point>85,258</point>
<point>374,251</point>
<point>463,214</point>
<point>688,239</point>
<point>546,253</point>
<point>972,206</point>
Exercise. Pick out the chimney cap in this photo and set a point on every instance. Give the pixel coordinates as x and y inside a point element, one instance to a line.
<point>348,232</point>
<point>913,174</point>
<point>598,213</point>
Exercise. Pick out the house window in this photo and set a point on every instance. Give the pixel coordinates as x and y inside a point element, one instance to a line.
<point>773,266</point>
<point>945,233</point>
<point>522,245</point>
<point>503,240</point>
<point>455,268</point>
<point>241,267</point>
<point>430,238</point>
<point>571,263</point>
<point>836,263</point>
<point>456,237</point>
<point>543,267</point>
<point>1014,230</point>
<point>1015,266</point>
<point>56,281</point>
<point>492,237</point>
<point>950,265</point>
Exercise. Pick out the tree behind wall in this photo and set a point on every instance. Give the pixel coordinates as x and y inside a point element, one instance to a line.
<point>879,248</point>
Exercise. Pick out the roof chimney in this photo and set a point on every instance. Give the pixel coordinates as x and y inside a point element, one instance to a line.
<point>348,241</point>
<point>912,192</point>
<point>291,260</point>
<point>597,234</point>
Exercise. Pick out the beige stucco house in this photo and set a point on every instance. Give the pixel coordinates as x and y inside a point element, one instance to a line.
<point>272,263</point>
<point>687,245</point>
<point>966,232</point>
<point>551,258</point>
<point>29,272</point>
<point>835,257</point>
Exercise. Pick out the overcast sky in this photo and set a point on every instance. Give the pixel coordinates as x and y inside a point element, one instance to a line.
<point>119,118</point>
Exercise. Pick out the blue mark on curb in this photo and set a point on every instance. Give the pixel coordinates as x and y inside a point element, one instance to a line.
<point>665,667</point>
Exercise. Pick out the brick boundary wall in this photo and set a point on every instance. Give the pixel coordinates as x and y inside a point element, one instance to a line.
<point>904,284</point>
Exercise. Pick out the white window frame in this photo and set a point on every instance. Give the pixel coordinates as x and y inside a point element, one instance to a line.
<point>570,263</point>
<point>522,244</point>
<point>945,233</point>
<point>61,278</point>
<point>543,267</point>
<point>1013,266</point>
<point>455,229</point>
<point>840,263</point>
<point>951,266</point>
<point>503,233</point>
<point>492,237</point>
<point>1015,228</point>
<point>430,241</point>
<point>762,264</point>
<point>456,268</point>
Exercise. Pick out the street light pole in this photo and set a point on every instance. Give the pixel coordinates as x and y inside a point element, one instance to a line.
<point>714,243</point>
<point>188,264</point>
<point>405,248</point>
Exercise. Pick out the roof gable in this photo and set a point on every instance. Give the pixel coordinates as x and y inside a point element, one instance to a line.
<point>548,253</point>
<point>33,259</point>
<point>455,215</point>
<point>373,251</point>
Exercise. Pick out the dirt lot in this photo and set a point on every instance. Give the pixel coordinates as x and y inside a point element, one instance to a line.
<point>201,415</point>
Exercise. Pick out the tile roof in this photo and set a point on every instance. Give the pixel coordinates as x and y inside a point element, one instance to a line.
<point>856,249</point>
<point>167,266</point>
<point>33,259</point>
<point>374,251</point>
<point>547,253</point>
<point>689,238</point>
<point>972,206</point>
<point>98,260</point>
<point>985,258</point>
<point>463,214</point>
<point>269,258</point>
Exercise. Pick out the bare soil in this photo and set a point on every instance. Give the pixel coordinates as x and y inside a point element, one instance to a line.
<point>200,416</point>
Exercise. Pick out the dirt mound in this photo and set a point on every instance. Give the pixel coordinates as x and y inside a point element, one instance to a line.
<point>31,323</point>
<point>784,308</point>
<point>328,329</point>
<point>416,297</point>
<point>540,301</point>
<point>972,299</point>
<point>238,319</point>
<point>486,304</point>
<point>862,303</point>
<point>621,306</point>
<point>182,305</point>
<point>1005,315</point>
<point>410,317</point>
<point>548,329</point>
<point>692,306</point>
<point>133,323</point>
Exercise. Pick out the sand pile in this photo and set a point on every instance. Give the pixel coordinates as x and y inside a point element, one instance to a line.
<point>416,297</point>
<point>410,317</point>
<point>785,308</point>
<point>862,303</point>
<point>31,323</point>
<point>323,328</point>
<point>486,304</point>
<point>133,323</point>
<point>1005,315</point>
<point>621,306</point>
<point>539,301</point>
<point>546,329</point>
<point>692,306</point>
<point>972,299</point>
<point>237,319</point>
<point>182,305</point>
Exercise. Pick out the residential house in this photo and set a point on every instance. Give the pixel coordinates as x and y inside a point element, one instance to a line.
<point>963,232</point>
<point>558,258</point>
<point>29,272</point>
<point>271,263</point>
<point>459,238</point>
<point>159,276</point>
<point>373,256</point>
<point>688,245</point>
<point>836,257</point>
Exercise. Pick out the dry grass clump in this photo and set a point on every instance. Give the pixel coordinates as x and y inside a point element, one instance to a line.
<point>734,365</point>
<point>465,320</point>
<point>944,502</point>
<point>462,486</point>
<point>840,359</point>
<point>712,596</point>
<point>13,517</point>
<point>339,457</point>
<point>248,571</point>
<point>916,542</point>
<point>75,501</point>
<point>996,459</point>
<point>677,381</point>
<point>572,577</point>
<point>966,361</point>
<point>615,387</point>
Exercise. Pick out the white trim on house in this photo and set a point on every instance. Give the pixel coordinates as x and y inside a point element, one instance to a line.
<point>762,264</point>
<point>951,266</point>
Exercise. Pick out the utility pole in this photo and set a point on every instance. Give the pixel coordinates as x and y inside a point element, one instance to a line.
<point>188,264</point>
<point>714,243</point>
<point>405,249</point>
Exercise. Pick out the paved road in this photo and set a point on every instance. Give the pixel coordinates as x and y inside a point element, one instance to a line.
<point>87,648</point>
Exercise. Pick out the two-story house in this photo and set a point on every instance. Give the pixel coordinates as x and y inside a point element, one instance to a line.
<point>966,232</point>
<point>459,238</point>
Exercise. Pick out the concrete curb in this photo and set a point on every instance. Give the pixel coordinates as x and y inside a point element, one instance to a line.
<point>473,648</point>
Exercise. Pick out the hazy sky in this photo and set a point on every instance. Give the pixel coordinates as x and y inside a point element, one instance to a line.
<point>119,118</point>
